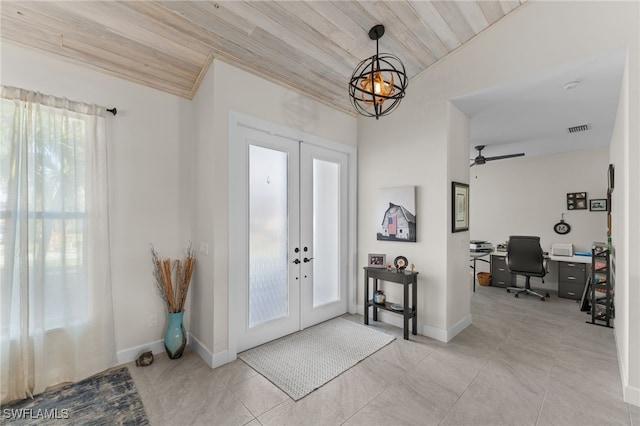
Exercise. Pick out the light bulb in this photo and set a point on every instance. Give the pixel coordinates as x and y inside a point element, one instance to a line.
<point>376,85</point>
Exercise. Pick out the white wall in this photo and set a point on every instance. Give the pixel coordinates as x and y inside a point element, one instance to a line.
<point>202,308</point>
<point>152,147</point>
<point>225,89</point>
<point>410,146</point>
<point>150,139</point>
<point>458,296</point>
<point>527,195</point>
<point>625,156</point>
<point>169,181</point>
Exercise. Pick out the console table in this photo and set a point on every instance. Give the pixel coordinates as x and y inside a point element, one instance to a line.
<point>406,278</point>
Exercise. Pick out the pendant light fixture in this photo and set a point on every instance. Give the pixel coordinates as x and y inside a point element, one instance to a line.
<point>378,83</point>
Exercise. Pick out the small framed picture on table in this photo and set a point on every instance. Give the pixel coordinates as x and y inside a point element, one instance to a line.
<point>377,260</point>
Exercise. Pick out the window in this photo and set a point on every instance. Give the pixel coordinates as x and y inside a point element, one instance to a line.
<point>48,190</point>
<point>56,309</point>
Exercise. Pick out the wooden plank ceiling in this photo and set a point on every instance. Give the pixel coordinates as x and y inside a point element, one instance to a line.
<point>309,46</point>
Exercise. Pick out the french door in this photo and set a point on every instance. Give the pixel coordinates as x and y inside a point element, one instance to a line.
<point>296,245</point>
<point>324,219</point>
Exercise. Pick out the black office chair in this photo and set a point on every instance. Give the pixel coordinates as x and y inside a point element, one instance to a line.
<point>525,257</point>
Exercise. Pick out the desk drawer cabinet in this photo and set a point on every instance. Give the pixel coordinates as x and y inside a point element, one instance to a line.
<point>500,275</point>
<point>571,279</point>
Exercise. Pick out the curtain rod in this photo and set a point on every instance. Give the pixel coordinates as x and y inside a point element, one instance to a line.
<point>9,92</point>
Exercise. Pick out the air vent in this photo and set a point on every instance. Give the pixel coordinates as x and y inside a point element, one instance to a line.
<point>580,128</point>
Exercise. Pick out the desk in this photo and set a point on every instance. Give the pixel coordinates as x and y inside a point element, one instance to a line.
<point>574,259</point>
<point>405,278</point>
<point>572,274</point>
<point>475,256</point>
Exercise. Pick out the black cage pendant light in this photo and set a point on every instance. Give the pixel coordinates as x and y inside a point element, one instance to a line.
<point>378,83</point>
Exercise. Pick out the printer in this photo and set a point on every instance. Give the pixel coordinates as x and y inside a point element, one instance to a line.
<point>562,249</point>
<point>480,246</point>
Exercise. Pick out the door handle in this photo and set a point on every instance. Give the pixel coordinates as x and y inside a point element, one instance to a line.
<point>306,260</point>
<point>297,261</point>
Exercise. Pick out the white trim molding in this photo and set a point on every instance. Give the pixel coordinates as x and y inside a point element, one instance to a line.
<point>236,121</point>
<point>213,360</point>
<point>203,352</point>
<point>438,334</point>
<point>630,394</point>
<point>128,355</point>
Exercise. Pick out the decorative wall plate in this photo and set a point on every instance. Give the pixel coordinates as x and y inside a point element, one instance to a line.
<point>400,262</point>
<point>562,227</point>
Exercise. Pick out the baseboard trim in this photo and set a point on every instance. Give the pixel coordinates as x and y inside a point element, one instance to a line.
<point>222,358</point>
<point>461,325</point>
<point>435,333</point>
<point>630,394</point>
<point>128,355</point>
<point>198,347</point>
<point>445,335</point>
<point>211,359</point>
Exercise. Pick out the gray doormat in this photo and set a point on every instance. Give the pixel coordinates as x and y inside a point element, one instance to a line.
<point>109,398</point>
<point>302,362</point>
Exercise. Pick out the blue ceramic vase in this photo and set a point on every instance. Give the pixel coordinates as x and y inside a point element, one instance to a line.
<point>176,339</point>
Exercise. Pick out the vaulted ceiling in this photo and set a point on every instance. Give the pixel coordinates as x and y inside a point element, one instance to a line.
<point>309,46</point>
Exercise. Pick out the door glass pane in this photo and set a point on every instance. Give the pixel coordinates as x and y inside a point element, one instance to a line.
<point>326,232</point>
<point>268,235</point>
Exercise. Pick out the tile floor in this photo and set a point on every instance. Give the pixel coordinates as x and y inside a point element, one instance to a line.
<point>521,362</point>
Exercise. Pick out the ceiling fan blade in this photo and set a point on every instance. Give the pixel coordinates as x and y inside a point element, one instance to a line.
<point>473,164</point>
<point>502,157</point>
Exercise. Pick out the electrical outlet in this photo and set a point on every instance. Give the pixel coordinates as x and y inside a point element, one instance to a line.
<point>153,321</point>
<point>204,249</point>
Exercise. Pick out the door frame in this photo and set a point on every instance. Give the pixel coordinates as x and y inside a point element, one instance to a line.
<point>238,219</point>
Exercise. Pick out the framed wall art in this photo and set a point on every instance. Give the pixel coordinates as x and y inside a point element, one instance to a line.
<point>397,214</point>
<point>459,207</point>
<point>598,205</point>
<point>610,186</point>
<point>577,201</point>
<point>610,178</point>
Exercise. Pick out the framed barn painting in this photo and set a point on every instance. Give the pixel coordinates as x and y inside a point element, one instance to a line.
<point>396,212</point>
<point>459,207</point>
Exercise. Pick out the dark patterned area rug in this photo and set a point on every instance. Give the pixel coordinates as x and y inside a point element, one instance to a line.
<point>106,398</point>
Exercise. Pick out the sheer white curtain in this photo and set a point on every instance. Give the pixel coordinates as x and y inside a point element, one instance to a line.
<point>56,321</point>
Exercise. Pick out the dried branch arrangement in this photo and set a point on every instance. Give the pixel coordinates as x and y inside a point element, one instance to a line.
<point>175,296</point>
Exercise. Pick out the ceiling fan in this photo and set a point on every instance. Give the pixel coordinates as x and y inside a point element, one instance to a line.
<point>480,159</point>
